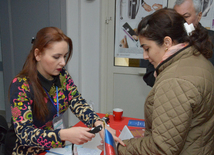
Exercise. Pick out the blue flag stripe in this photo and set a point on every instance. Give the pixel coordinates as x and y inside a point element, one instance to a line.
<point>108,138</point>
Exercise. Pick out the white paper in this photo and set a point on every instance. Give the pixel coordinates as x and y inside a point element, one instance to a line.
<point>93,143</point>
<point>126,134</point>
<point>89,148</point>
<point>65,151</point>
<point>87,151</point>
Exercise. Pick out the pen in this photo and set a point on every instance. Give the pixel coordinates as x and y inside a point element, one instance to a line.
<point>53,152</point>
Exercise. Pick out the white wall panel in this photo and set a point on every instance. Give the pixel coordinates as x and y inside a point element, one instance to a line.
<point>83,27</point>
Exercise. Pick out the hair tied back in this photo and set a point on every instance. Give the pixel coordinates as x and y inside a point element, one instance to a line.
<point>145,28</point>
<point>32,40</point>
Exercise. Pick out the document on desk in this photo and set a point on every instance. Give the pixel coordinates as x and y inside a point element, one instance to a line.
<point>90,148</point>
<point>67,151</point>
<point>87,151</point>
<point>60,151</point>
<point>125,133</point>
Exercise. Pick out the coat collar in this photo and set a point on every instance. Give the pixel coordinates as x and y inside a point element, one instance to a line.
<point>184,52</point>
<point>47,84</point>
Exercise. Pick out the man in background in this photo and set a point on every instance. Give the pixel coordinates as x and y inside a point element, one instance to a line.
<point>191,11</point>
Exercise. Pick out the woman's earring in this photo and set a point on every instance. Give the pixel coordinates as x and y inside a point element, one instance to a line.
<point>166,49</point>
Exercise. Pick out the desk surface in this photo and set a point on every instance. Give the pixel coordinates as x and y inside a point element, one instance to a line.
<point>116,125</point>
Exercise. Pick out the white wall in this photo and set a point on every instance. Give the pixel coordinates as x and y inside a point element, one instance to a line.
<point>83,27</point>
<point>171,3</point>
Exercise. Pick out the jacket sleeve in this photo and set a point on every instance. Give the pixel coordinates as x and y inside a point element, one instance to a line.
<point>21,107</point>
<point>171,118</point>
<point>79,106</point>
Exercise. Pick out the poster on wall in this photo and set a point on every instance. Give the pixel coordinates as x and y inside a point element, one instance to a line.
<point>207,9</point>
<point>128,14</point>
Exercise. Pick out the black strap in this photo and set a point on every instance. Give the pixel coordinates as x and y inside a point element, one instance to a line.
<point>72,149</point>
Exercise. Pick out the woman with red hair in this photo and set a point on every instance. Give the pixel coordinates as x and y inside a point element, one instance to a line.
<point>41,93</point>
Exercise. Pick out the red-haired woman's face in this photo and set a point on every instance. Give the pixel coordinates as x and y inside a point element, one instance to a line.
<point>52,60</point>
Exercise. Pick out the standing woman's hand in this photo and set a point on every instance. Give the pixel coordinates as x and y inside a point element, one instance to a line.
<point>76,135</point>
<point>112,131</point>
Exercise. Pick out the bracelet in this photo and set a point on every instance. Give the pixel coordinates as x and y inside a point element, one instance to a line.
<point>142,3</point>
<point>59,135</point>
<point>93,124</point>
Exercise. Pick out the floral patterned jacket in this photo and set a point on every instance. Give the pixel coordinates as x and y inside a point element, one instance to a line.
<point>34,136</point>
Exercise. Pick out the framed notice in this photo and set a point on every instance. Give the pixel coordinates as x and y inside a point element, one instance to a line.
<point>128,15</point>
<point>207,9</point>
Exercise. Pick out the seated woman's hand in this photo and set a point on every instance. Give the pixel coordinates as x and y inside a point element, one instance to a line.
<point>76,135</point>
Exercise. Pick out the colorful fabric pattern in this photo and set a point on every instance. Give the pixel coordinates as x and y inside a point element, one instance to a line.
<point>33,135</point>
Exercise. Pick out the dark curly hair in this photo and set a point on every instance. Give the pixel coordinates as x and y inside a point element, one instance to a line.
<point>167,22</point>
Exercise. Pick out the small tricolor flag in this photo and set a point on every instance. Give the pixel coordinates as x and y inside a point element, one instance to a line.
<point>109,146</point>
